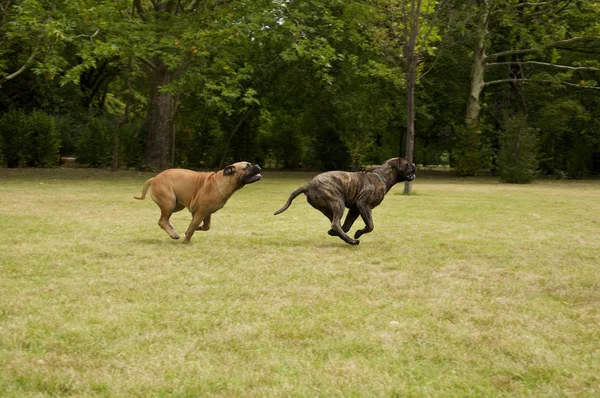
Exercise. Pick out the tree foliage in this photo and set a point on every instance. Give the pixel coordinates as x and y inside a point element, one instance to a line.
<point>305,84</point>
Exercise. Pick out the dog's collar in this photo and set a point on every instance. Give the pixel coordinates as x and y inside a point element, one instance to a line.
<point>381,179</point>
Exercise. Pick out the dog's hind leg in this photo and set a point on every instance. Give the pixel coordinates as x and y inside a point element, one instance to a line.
<point>177,208</point>
<point>334,211</point>
<point>336,227</point>
<point>165,223</point>
<point>352,215</point>
<point>167,202</point>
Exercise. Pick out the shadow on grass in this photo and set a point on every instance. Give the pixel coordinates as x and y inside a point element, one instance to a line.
<point>308,242</point>
<point>157,242</point>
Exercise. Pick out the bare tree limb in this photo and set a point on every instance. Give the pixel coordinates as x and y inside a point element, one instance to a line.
<point>545,64</point>
<point>21,70</point>
<point>523,5</point>
<point>576,50</point>
<point>540,81</point>
<point>91,36</point>
<point>147,62</point>
<point>534,50</point>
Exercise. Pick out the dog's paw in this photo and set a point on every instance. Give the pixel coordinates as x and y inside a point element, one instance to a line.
<point>331,232</point>
<point>356,242</point>
<point>175,236</point>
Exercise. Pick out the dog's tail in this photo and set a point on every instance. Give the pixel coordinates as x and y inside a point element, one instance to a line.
<point>292,197</point>
<point>144,189</point>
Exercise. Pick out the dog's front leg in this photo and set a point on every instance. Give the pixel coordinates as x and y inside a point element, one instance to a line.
<point>352,215</point>
<point>365,213</point>
<point>196,220</point>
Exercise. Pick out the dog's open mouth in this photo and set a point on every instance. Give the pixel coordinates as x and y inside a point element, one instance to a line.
<point>411,176</point>
<point>252,178</point>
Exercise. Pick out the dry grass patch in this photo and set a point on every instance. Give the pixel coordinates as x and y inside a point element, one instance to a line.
<point>493,288</point>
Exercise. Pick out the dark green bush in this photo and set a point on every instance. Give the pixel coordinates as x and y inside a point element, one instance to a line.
<point>41,141</point>
<point>94,144</point>
<point>470,153</point>
<point>579,156</point>
<point>69,128</point>
<point>30,140</point>
<point>13,127</point>
<point>518,154</point>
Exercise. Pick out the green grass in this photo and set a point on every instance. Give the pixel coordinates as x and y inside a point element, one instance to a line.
<point>467,287</point>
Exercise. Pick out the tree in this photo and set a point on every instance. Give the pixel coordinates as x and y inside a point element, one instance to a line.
<point>410,29</point>
<point>543,32</point>
<point>174,42</point>
<point>37,32</point>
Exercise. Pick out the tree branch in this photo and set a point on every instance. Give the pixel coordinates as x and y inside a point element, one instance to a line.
<point>21,70</point>
<point>523,5</point>
<point>138,6</point>
<point>535,50</point>
<point>91,37</point>
<point>539,81</point>
<point>545,64</point>
<point>147,62</point>
<point>576,50</point>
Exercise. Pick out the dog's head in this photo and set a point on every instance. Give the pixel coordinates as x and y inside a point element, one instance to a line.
<point>405,171</point>
<point>244,172</point>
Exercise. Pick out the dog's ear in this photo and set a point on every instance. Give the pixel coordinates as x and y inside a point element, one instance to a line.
<point>229,170</point>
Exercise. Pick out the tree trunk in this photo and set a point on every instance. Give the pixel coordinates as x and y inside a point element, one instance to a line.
<point>159,120</point>
<point>409,146</point>
<point>411,59</point>
<point>477,82</point>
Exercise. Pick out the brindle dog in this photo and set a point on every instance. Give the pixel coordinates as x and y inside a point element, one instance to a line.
<point>360,192</point>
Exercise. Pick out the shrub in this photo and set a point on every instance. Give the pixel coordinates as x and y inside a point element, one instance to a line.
<point>517,157</point>
<point>12,132</point>
<point>41,141</point>
<point>69,128</point>
<point>470,153</point>
<point>32,139</point>
<point>94,146</point>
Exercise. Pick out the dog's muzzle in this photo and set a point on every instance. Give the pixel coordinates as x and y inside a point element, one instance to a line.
<point>411,176</point>
<point>254,175</point>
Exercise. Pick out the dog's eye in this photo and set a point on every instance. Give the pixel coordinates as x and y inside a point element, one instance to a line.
<point>247,166</point>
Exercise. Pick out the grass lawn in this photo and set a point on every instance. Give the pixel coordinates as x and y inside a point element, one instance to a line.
<point>467,287</point>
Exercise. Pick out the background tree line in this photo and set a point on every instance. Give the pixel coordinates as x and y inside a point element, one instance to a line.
<point>509,86</point>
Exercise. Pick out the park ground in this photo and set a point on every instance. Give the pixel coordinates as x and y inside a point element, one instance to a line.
<point>467,287</point>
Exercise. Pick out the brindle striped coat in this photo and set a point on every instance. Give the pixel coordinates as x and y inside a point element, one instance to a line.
<point>360,192</point>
